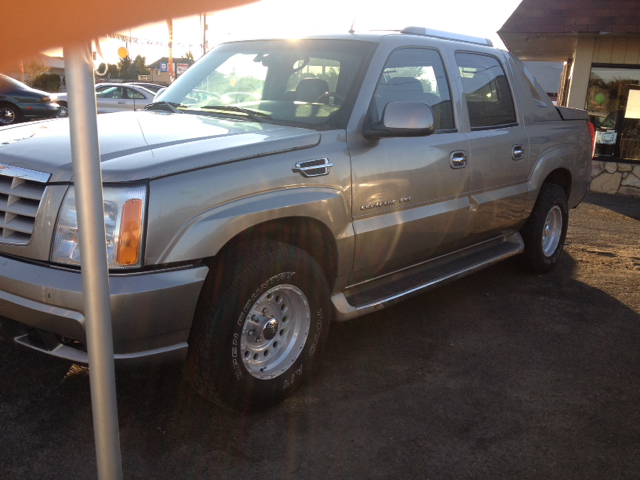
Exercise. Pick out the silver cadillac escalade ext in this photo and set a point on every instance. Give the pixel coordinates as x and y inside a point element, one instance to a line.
<point>282,184</point>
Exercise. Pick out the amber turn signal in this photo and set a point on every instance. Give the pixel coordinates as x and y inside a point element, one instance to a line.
<point>130,229</point>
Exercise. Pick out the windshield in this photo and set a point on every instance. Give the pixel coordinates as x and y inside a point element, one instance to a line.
<point>310,83</point>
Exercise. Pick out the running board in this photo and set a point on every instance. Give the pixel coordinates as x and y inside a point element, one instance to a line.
<point>390,289</point>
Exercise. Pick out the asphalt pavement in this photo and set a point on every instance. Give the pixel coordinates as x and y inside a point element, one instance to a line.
<point>502,374</point>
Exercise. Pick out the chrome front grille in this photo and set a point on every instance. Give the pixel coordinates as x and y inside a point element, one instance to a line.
<point>21,191</point>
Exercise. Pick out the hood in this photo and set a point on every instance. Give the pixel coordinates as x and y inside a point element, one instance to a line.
<point>149,144</point>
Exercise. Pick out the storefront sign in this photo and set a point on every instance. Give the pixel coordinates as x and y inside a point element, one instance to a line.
<point>633,104</point>
<point>182,67</point>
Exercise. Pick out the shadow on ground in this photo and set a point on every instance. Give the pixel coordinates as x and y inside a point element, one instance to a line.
<point>499,375</point>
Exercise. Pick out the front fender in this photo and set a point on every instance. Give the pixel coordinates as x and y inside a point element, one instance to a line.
<point>205,234</point>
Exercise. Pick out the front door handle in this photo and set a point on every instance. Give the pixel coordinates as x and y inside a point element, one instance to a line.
<point>458,159</point>
<point>120,103</point>
<point>518,152</point>
<point>313,168</point>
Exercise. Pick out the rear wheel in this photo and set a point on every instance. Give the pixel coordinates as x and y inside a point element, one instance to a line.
<point>545,230</point>
<point>262,317</point>
<point>9,114</point>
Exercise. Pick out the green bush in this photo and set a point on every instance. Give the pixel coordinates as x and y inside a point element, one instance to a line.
<point>49,82</point>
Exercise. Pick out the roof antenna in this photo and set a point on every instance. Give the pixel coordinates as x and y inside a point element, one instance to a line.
<point>351,30</point>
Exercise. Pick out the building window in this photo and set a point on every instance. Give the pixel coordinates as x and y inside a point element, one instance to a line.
<point>613,102</point>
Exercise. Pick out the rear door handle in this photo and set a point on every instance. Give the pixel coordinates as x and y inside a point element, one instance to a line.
<point>518,152</point>
<point>120,103</point>
<point>458,159</point>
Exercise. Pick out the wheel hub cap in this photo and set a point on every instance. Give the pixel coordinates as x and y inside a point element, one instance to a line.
<point>270,329</point>
<point>552,231</point>
<point>6,116</point>
<point>275,331</point>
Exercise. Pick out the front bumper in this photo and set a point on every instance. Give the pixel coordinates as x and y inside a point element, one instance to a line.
<point>41,307</point>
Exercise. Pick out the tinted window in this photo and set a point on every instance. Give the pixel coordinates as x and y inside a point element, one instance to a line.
<point>416,74</point>
<point>110,92</point>
<point>486,89</point>
<point>135,95</point>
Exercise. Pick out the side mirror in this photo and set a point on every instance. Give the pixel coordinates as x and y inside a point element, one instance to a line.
<point>402,119</point>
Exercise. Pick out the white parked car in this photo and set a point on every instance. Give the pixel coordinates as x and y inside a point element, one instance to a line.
<point>114,97</point>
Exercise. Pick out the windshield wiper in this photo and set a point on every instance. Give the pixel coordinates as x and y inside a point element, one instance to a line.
<point>173,107</point>
<point>254,114</point>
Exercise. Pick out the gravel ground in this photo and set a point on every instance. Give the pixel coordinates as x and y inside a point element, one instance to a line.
<point>499,375</point>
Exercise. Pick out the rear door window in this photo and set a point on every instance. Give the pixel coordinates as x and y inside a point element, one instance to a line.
<point>486,89</point>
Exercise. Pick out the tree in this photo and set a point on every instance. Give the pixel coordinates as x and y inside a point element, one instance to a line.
<point>112,71</point>
<point>34,68</point>
<point>49,82</point>
<point>139,67</point>
<point>189,55</point>
<point>124,67</point>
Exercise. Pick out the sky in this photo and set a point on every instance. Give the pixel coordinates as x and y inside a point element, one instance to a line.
<point>296,18</point>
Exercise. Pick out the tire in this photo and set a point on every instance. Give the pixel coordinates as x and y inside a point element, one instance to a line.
<point>9,114</point>
<point>64,110</point>
<point>545,231</point>
<point>239,356</point>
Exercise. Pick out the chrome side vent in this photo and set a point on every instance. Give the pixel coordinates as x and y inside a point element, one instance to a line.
<point>20,198</point>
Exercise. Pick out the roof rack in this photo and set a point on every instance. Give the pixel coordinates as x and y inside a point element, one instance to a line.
<point>428,32</point>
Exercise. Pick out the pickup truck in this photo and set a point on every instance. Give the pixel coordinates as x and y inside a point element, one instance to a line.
<point>354,171</point>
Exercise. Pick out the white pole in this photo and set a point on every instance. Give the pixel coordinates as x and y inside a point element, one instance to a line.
<point>87,177</point>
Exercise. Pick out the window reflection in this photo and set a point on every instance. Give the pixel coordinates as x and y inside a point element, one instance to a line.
<point>613,102</point>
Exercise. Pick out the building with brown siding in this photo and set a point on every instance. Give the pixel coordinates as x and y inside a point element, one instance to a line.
<point>599,41</point>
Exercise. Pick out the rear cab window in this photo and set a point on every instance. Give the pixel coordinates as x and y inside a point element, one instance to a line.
<point>538,102</point>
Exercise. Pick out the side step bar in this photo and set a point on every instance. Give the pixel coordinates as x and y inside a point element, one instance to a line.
<point>390,289</point>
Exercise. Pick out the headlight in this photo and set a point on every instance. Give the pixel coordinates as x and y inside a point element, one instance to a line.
<point>123,221</point>
<point>53,97</point>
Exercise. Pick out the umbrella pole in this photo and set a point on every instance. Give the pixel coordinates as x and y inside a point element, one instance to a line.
<point>87,177</point>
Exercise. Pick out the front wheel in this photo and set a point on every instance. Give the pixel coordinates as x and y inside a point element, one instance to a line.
<point>545,230</point>
<point>262,317</point>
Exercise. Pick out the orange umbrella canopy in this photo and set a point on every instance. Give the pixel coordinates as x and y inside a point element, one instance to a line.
<point>31,26</point>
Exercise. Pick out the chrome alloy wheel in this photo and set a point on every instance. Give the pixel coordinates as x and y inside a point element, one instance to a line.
<point>552,231</point>
<point>275,331</point>
<point>7,116</point>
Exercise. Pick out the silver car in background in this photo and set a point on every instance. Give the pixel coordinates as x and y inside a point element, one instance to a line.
<point>114,97</point>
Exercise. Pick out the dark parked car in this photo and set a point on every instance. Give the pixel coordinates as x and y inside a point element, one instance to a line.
<point>18,101</point>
